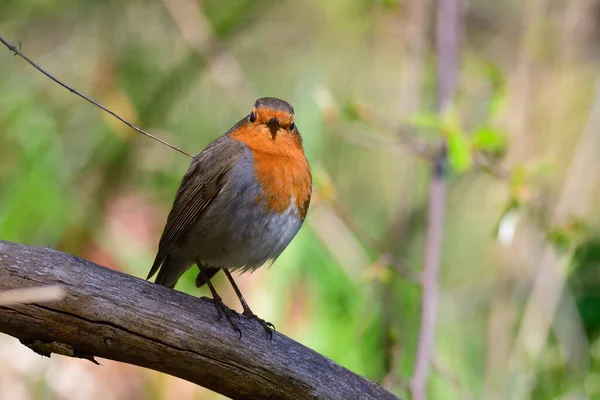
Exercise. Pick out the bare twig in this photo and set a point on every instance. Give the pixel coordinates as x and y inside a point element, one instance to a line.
<point>520,123</point>
<point>17,51</point>
<point>393,145</point>
<point>112,315</point>
<point>404,135</point>
<point>399,265</point>
<point>445,372</point>
<point>404,139</point>
<point>433,249</point>
<point>448,25</point>
<point>416,49</point>
<point>498,170</point>
<point>577,25</point>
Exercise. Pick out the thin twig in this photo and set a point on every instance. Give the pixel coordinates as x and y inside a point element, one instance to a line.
<point>403,135</point>
<point>389,144</point>
<point>417,47</point>
<point>399,265</point>
<point>448,375</point>
<point>433,249</point>
<point>17,51</point>
<point>497,170</point>
<point>448,25</point>
<point>404,138</point>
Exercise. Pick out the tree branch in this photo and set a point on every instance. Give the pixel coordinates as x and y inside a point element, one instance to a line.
<point>112,315</point>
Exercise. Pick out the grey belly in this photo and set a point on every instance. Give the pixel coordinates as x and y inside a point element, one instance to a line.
<point>237,232</point>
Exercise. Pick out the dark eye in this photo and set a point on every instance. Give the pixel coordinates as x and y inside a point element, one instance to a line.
<point>252,117</point>
<point>292,126</point>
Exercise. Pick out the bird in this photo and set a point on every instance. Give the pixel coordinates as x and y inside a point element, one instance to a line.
<point>239,205</point>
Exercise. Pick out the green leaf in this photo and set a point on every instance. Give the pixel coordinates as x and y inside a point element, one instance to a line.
<point>560,239</point>
<point>459,151</point>
<point>518,176</point>
<point>490,140</point>
<point>541,168</point>
<point>350,111</point>
<point>427,121</point>
<point>567,235</point>
<point>452,121</point>
<point>498,82</point>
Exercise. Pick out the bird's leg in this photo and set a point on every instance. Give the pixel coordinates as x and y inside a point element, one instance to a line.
<point>218,302</point>
<point>269,327</point>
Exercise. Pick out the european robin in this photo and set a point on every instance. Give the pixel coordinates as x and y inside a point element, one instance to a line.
<point>239,205</point>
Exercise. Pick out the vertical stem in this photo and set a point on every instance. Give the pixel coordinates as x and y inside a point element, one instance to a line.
<point>577,23</point>
<point>447,37</point>
<point>503,313</point>
<point>433,250</point>
<point>519,123</point>
<point>417,24</point>
<point>448,25</point>
<point>551,275</point>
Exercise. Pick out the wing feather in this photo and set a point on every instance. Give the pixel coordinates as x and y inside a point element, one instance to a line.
<point>199,187</point>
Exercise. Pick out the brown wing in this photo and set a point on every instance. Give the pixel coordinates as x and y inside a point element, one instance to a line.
<point>199,187</point>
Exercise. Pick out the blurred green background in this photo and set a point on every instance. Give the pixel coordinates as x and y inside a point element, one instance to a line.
<point>519,307</point>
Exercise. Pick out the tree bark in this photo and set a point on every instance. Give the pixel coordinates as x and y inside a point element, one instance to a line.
<point>112,315</point>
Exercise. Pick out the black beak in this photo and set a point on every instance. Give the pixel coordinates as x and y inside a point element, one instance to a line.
<point>274,126</point>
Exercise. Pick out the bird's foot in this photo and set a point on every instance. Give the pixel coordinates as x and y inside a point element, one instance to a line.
<point>222,309</point>
<point>269,327</point>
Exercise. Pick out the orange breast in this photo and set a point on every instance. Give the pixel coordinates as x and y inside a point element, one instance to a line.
<point>280,165</point>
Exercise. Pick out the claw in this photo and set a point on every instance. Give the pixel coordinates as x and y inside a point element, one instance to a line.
<point>268,327</point>
<point>222,309</point>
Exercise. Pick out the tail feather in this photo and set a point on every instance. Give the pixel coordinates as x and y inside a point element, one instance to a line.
<point>171,270</point>
<point>155,266</point>
<point>209,272</point>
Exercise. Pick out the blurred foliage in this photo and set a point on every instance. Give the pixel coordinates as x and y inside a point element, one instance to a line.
<point>75,179</point>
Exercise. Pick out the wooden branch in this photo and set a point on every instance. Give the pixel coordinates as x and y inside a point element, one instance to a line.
<point>112,315</point>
